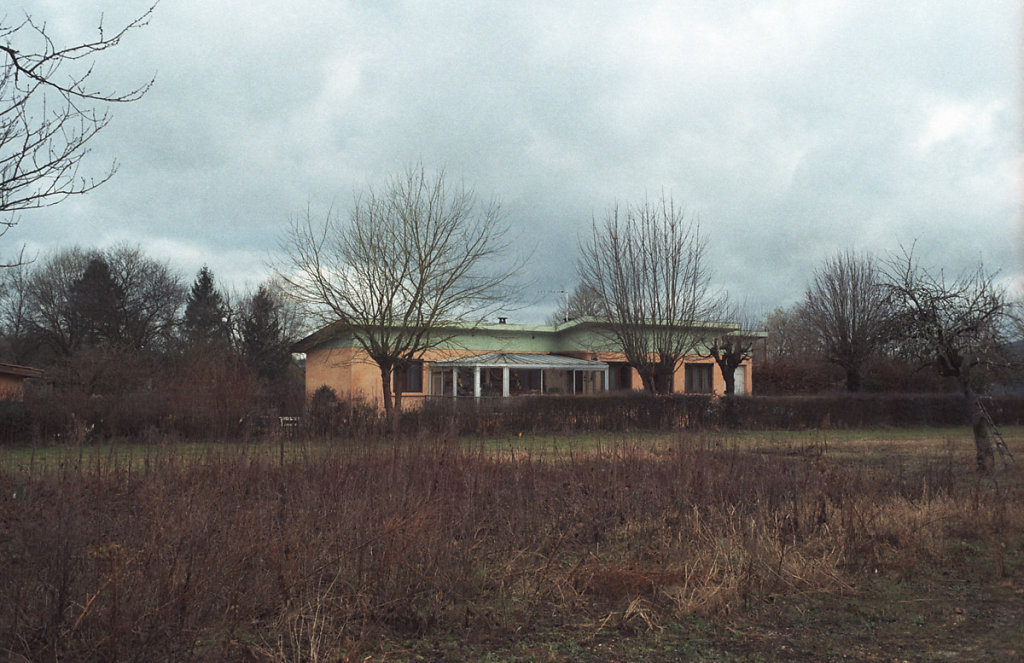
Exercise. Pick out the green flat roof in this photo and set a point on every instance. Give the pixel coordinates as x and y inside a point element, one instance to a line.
<point>523,360</point>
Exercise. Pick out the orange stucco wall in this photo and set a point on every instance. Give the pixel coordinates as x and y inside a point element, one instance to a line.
<point>352,374</point>
<point>12,387</point>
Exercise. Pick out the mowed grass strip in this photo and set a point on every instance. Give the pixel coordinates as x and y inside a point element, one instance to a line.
<point>597,548</point>
<point>867,445</point>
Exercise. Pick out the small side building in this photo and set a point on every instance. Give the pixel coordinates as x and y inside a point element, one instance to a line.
<point>12,380</point>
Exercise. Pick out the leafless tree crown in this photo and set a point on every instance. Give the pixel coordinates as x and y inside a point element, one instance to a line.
<point>582,302</point>
<point>844,308</point>
<point>648,264</point>
<point>961,326</point>
<point>413,256</point>
<point>49,113</point>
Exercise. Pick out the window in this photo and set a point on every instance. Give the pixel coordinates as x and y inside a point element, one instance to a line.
<point>621,376</point>
<point>410,378</point>
<point>698,378</point>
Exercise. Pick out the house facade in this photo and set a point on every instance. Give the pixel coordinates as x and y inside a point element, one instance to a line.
<point>503,360</point>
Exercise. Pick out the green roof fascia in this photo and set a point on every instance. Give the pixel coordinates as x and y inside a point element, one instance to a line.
<point>583,334</point>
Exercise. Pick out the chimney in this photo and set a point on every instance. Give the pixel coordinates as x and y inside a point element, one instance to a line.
<point>502,321</point>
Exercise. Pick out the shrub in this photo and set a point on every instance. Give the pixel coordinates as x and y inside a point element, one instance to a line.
<point>15,422</point>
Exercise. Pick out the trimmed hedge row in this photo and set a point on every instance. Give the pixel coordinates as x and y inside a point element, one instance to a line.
<point>644,412</point>
<point>327,417</point>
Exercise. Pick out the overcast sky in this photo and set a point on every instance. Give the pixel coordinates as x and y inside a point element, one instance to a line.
<point>792,129</point>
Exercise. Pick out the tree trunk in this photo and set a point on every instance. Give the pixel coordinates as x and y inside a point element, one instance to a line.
<point>385,379</point>
<point>852,380</point>
<point>730,380</point>
<point>663,382</point>
<point>396,413</point>
<point>647,379</point>
<point>984,447</point>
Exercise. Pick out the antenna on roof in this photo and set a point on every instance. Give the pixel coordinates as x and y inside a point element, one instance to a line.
<point>565,302</point>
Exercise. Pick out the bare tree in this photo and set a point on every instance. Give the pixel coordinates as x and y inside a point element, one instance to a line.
<point>135,299</point>
<point>647,264</point>
<point>844,309</point>
<point>17,344</point>
<point>789,335</point>
<point>961,327</point>
<point>414,256</point>
<point>49,112</point>
<point>153,297</point>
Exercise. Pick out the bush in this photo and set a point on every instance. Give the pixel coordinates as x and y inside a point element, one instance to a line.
<point>328,416</point>
<point>15,422</point>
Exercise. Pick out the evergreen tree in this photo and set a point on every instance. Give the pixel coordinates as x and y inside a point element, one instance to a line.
<point>262,335</point>
<point>206,314</point>
<point>95,306</point>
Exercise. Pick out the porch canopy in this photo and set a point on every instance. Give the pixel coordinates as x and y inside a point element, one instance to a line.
<point>511,373</point>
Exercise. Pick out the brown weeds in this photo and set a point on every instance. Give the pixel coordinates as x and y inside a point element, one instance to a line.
<point>313,556</point>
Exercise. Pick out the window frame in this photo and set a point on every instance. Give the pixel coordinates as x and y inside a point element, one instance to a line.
<point>412,378</point>
<point>696,375</point>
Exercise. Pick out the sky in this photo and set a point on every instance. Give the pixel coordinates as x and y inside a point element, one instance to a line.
<point>790,129</point>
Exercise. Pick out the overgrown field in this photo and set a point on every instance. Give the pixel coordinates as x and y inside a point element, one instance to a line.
<point>750,547</point>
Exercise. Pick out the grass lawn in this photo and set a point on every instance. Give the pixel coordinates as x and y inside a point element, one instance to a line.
<point>838,545</point>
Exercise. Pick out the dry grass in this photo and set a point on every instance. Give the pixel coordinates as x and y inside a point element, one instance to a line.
<point>239,554</point>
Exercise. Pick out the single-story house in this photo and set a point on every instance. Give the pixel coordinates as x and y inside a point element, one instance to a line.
<point>501,360</point>
<point>12,380</point>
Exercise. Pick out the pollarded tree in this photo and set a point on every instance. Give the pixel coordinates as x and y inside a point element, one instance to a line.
<point>731,347</point>
<point>413,256</point>
<point>844,308</point>
<point>49,113</point>
<point>962,327</point>
<point>647,263</point>
<point>206,324</point>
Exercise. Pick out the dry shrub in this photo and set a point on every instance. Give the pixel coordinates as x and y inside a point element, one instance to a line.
<point>243,554</point>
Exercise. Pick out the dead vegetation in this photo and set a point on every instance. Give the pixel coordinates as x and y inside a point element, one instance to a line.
<point>323,555</point>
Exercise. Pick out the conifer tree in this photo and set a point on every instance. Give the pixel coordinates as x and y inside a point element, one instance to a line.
<point>95,303</point>
<point>206,323</point>
<point>262,334</point>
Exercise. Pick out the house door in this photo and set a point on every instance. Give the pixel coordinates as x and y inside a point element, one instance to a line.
<point>739,375</point>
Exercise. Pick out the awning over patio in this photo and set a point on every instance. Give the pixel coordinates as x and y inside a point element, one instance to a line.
<point>516,373</point>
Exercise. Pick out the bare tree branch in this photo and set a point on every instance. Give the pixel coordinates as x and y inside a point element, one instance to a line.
<point>50,112</point>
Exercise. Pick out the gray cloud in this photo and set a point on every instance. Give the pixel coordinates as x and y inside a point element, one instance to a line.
<point>792,129</point>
